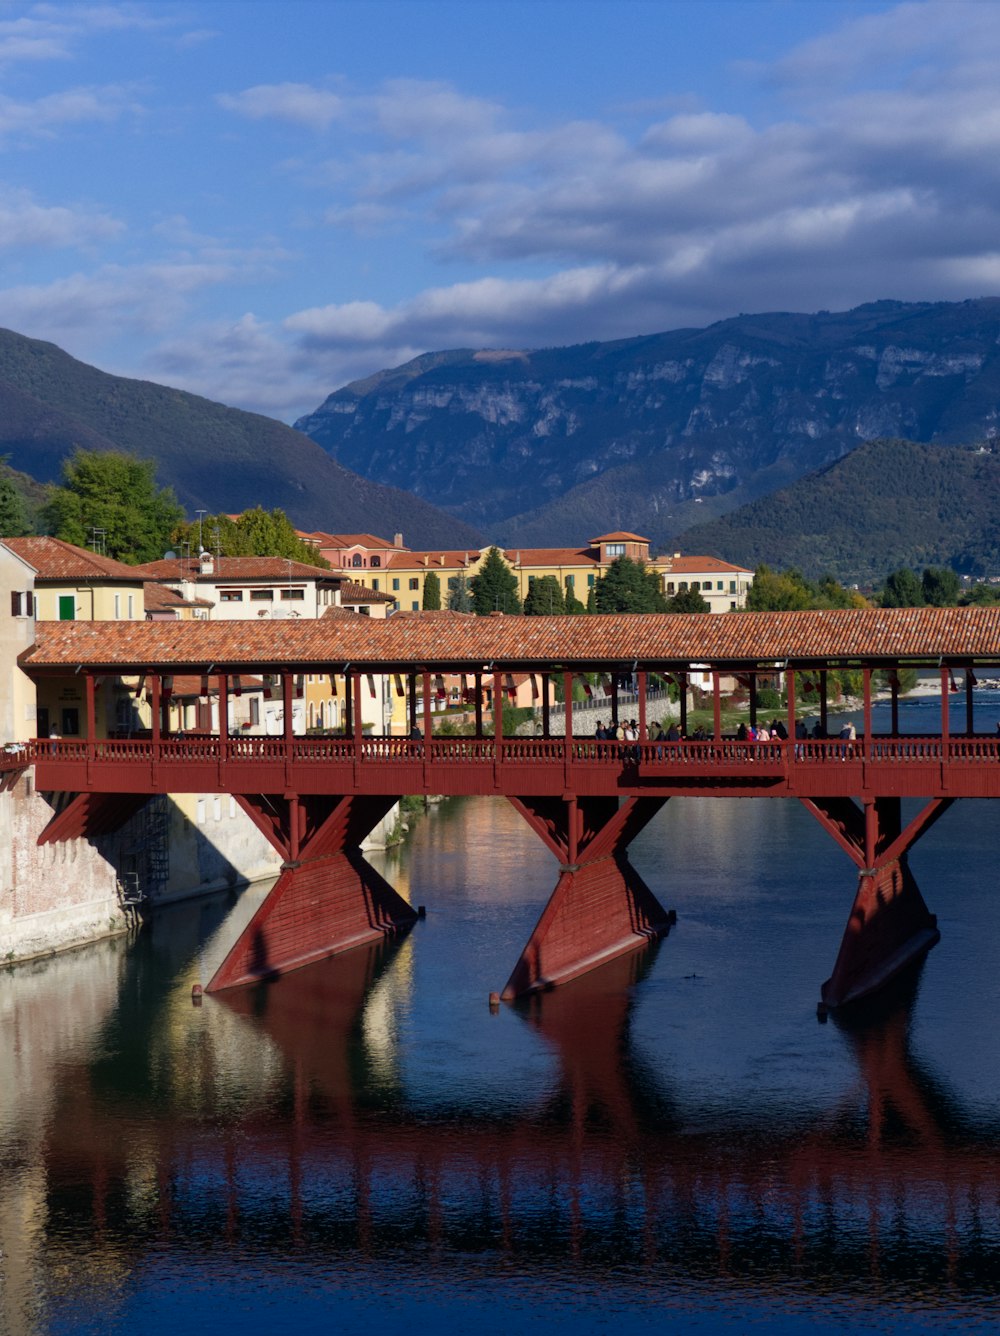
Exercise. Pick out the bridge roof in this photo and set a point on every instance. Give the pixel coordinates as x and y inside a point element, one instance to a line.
<point>919,635</point>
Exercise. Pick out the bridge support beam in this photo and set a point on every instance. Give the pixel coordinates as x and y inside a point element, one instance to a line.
<point>327,899</point>
<point>87,815</point>
<point>600,907</point>
<point>890,926</point>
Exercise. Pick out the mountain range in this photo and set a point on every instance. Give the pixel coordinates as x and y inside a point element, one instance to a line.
<point>213,457</point>
<point>661,433</point>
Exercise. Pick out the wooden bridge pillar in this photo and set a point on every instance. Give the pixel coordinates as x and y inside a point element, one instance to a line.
<point>328,899</point>
<point>889,926</point>
<point>600,907</point>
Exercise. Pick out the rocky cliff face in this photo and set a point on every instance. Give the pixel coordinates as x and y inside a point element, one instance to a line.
<point>657,433</point>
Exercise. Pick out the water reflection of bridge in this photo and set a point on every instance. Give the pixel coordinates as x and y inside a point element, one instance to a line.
<point>603,1172</point>
<point>315,799</point>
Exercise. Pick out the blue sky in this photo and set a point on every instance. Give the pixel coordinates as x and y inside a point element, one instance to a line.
<point>260,202</point>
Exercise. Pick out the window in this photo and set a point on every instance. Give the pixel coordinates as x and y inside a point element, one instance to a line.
<point>719,585</point>
<point>293,594</point>
<point>375,584</point>
<point>375,561</point>
<point>683,586</point>
<point>671,587</point>
<point>414,583</point>
<point>395,585</point>
<point>570,581</point>
<point>732,586</point>
<point>706,584</point>
<point>614,549</point>
<point>590,578</point>
<point>230,595</point>
<point>414,606</point>
<point>254,710</point>
<point>118,606</point>
<point>261,595</point>
<point>356,559</point>
<point>732,607</point>
<point>131,606</point>
<point>531,581</point>
<point>67,607</point>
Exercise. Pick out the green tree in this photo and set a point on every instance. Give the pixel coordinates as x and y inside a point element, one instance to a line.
<point>574,608</point>
<point>628,586</point>
<point>113,497</point>
<point>13,515</point>
<point>494,589</point>
<point>432,593</point>
<point>982,593</point>
<point>459,594</point>
<point>774,591</point>
<point>688,600</point>
<point>902,590</point>
<point>544,598</point>
<point>254,533</point>
<point>941,587</point>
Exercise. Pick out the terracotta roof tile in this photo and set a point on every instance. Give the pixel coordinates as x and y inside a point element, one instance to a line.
<point>351,591</point>
<point>236,568</point>
<point>920,634</point>
<point>620,537</point>
<point>54,559</point>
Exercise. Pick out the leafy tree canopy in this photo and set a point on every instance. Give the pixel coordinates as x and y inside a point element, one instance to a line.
<point>13,512</point>
<point>254,533</point>
<point>459,594</point>
<point>941,587</point>
<point>688,600</point>
<point>110,499</point>
<point>902,589</point>
<point>628,586</point>
<point>494,589</point>
<point>432,592</point>
<point>790,591</point>
<point>544,598</point>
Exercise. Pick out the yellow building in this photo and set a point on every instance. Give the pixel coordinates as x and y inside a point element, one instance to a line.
<point>394,569</point>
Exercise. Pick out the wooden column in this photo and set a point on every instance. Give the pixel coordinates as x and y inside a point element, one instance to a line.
<point>568,698</point>
<point>716,708</point>
<point>546,679</point>
<point>682,683</point>
<point>614,702</point>
<point>497,715</point>
<point>945,712</point>
<point>348,704</point>
<point>428,723</point>
<point>642,707</point>
<point>358,725</point>
<point>411,708</point>
<point>790,689</point>
<point>478,679</point>
<point>287,708</point>
<point>91,693</point>
<point>969,721</point>
<point>223,680</point>
<point>753,700</point>
<point>823,703</point>
<point>156,685</point>
<point>894,700</point>
<point>866,677</point>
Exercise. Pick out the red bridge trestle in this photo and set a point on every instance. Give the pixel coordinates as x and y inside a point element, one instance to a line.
<point>600,907</point>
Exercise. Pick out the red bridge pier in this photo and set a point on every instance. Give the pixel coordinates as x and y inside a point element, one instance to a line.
<point>890,926</point>
<point>600,907</point>
<point>327,899</point>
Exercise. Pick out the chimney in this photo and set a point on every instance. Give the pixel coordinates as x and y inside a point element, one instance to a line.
<point>397,540</point>
<point>206,563</point>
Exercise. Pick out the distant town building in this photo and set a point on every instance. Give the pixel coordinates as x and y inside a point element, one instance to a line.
<point>395,569</point>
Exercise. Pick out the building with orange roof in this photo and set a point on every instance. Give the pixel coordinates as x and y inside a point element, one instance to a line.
<point>394,569</point>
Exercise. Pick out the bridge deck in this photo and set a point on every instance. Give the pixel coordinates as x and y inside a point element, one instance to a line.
<point>908,766</point>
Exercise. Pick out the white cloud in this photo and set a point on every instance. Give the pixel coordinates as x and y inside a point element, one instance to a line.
<point>26,224</point>
<point>301,104</point>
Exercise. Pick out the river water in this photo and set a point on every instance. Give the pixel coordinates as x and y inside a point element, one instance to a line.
<point>674,1143</point>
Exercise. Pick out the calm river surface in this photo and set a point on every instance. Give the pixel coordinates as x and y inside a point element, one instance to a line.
<point>673,1144</point>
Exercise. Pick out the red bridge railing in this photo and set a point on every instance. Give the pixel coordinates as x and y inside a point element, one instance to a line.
<point>710,753</point>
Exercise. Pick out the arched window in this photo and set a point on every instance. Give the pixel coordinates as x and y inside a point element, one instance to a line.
<point>356,560</point>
